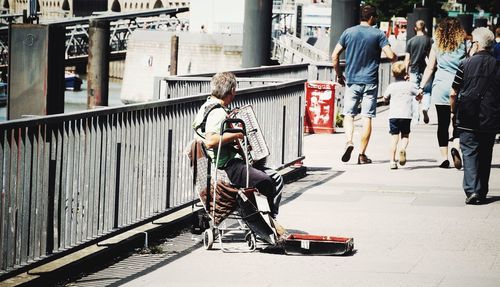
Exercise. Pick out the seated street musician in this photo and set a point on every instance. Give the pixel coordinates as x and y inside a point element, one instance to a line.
<point>207,126</point>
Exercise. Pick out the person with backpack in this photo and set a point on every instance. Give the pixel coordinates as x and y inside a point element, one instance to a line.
<point>207,126</point>
<point>475,99</point>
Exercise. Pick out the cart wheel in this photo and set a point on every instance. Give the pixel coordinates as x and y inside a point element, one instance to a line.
<point>251,241</point>
<point>208,238</point>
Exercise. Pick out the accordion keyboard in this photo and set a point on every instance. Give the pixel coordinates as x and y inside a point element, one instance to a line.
<point>257,145</point>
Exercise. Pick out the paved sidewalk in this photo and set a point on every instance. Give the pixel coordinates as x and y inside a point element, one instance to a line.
<point>410,226</point>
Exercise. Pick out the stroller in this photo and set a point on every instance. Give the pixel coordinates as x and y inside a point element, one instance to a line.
<point>221,200</point>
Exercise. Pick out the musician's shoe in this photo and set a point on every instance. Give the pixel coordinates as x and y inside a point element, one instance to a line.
<point>363,159</point>
<point>473,198</point>
<point>347,152</point>
<point>280,230</point>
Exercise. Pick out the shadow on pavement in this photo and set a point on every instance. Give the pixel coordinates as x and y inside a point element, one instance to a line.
<point>491,199</point>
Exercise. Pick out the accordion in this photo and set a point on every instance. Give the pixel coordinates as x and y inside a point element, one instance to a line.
<point>257,147</point>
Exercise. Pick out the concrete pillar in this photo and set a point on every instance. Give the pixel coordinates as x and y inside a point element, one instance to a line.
<point>36,70</point>
<point>98,64</point>
<point>466,22</point>
<point>345,14</point>
<point>257,33</point>
<point>411,20</point>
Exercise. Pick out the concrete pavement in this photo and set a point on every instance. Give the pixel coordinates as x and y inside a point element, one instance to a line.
<point>410,226</point>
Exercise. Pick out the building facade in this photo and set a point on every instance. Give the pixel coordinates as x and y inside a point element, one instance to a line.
<point>50,9</point>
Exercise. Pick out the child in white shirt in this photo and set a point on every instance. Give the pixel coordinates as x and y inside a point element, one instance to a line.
<point>400,94</point>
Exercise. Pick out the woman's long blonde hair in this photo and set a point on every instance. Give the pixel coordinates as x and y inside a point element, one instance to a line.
<point>449,35</point>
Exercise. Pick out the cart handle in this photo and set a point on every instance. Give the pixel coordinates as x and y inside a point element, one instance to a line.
<point>233,130</point>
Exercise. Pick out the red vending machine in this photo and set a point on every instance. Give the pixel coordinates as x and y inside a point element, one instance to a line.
<point>320,105</point>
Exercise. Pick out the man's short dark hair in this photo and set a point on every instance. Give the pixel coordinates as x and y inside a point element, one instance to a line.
<point>420,25</point>
<point>367,11</point>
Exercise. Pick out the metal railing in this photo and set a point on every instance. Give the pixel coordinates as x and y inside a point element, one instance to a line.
<point>316,71</point>
<point>288,49</point>
<point>121,25</point>
<point>174,87</point>
<point>70,180</point>
<point>289,71</point>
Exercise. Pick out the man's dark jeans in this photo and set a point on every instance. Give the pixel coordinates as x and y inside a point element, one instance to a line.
<point>477,149</point>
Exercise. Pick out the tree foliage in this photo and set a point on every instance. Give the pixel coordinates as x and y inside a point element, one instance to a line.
<point>389,8</point>
<point>487,5</point>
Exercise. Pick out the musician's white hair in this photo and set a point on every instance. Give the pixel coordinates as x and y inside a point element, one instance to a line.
<point>222,84</point>
<point>483,36</point>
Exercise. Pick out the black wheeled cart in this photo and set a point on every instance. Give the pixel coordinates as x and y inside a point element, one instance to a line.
<point>233,210</point>
<point>249,212</point>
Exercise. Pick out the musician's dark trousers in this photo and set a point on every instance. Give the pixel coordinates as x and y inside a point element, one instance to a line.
<point>236,171</point>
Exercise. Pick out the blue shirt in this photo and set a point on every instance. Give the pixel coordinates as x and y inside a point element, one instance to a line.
<point>496,51</point>
<point>447,66</point>
<point>363,45</point>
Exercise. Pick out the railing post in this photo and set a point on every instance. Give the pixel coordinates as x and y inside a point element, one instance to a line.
<point>98,65</point>
<point>51,129</point>
<point>174,54</point>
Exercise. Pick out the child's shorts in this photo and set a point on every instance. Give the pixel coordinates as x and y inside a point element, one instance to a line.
<point>397,126</point>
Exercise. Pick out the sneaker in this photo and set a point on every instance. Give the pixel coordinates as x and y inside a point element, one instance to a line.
<point>426,116</point>
<point>402,157</point>
<point>457,161</point>
<point>363,159</point>
<point>347,152</point>
<point>472,198</point>
<point>393,165</point>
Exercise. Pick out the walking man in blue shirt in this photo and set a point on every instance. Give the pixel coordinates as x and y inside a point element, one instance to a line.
<point>363,45</point>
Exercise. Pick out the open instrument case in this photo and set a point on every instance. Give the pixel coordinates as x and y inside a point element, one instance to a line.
<point>307,244</point>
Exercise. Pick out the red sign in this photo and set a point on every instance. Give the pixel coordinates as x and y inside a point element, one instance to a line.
<point>320,103</point>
